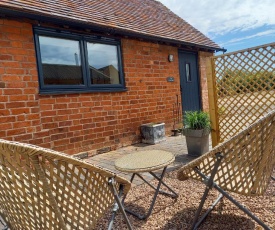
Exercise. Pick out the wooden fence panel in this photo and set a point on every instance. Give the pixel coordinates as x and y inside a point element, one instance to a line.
<point>241,88</point>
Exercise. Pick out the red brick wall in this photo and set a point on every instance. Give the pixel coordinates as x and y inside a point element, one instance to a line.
<point>83,122</point>
<point>19,104</point>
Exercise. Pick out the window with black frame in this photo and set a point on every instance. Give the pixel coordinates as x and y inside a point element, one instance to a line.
<point>77,63</point>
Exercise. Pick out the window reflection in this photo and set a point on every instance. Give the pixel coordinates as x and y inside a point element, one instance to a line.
<point>103,63</point>
<point>61,63</point>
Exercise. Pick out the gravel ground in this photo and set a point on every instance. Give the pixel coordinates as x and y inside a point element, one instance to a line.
<point>174,214</point>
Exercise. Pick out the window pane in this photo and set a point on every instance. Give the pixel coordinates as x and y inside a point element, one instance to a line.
<point>103,63</point>
<point>61,62</point>
<point>188,74</point>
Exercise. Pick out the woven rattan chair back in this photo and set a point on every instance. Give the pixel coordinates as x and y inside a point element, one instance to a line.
<point>248,159</point>
<point>45,189</point>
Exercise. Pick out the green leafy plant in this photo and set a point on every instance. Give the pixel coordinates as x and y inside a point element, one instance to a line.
<point>196,120</point>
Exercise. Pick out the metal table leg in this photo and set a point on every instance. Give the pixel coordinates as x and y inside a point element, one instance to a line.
<point>157,191</point>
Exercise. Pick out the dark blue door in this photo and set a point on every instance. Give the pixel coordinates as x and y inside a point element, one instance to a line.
<point>189,79</point>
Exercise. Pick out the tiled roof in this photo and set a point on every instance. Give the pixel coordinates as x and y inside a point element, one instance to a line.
<point>148,18</point>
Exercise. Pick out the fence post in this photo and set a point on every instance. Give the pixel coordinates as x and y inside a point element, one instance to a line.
<point>212,97</point>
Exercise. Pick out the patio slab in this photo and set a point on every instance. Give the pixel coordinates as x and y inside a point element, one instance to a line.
<point>173,144</point>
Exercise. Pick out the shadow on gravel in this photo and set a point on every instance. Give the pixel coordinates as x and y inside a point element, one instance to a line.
<point>183,220</point>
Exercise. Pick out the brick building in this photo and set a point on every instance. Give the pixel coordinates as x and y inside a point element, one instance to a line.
<point>82,76</point>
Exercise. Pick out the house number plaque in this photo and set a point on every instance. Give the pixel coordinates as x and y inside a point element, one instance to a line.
<point>170,79</point>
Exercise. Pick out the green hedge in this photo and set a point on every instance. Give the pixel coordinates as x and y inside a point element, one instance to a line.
<point>235,82</point>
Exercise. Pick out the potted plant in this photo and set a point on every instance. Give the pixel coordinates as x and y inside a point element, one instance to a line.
<point>152,133</point>
<point>196,130</point>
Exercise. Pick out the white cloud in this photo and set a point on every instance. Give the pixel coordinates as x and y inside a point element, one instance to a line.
<point>216,17</point>
<point>260,34</point>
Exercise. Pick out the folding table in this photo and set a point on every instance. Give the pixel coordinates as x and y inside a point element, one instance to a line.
<point>147,161</point>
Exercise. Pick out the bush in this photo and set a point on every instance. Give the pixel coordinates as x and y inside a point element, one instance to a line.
<point>235,82</point>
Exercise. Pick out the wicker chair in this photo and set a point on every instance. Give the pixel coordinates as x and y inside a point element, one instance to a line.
<point>242,164</point>
<point>45,189</point>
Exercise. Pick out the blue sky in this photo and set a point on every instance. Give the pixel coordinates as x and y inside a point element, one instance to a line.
<point>232,24</point>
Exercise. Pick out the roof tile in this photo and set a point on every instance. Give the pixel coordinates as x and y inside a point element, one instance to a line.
<point>145,17</point>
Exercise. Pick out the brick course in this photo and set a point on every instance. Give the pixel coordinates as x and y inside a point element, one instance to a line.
<point>75,123</point>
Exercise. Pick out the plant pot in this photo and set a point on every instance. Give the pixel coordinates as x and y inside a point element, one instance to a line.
<point>152,133</point>
<point>197,141</point>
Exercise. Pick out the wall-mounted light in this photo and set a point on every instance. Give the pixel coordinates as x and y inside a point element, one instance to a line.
<point>170,57</point>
